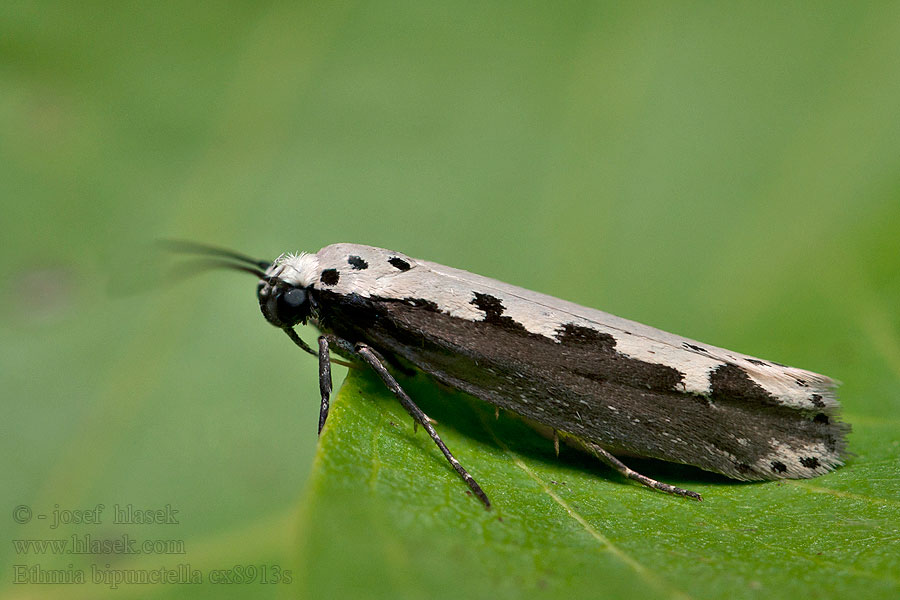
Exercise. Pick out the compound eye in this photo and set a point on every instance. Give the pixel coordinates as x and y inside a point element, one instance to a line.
<point>293,306</point>
<point>294,298</point>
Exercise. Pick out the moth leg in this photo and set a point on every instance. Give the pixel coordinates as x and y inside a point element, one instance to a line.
<point>325,361</point>
<point>324,380</point>
<point>619,466</point>
<point>375,361</point>
<point>295,337</point>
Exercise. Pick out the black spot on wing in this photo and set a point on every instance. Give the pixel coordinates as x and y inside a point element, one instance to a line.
<point>694,348</point>
<point>399,263</point>
<point>778,466</point>
<point>810,462</point>
<point>760,363</point>
<point>493,312</point>
<point>821,418</point>
<point>730,382</point>
<point>357,262</point>
<point>817,401</point>
<point>330,277</point>
<point>801,382</point>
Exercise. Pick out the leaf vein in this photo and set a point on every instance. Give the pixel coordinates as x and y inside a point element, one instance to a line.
<point>626,558</point>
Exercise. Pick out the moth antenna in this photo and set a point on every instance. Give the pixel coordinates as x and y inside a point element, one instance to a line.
<point>199,265</point>
<point>185,247</point>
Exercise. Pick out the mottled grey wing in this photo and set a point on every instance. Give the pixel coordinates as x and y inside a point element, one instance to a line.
<point>578,382</point>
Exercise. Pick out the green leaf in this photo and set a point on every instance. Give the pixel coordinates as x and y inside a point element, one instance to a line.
<point>387,517</point>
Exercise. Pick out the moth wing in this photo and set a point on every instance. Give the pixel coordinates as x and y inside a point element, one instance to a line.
<point>618,383</point>
<point>707,370</point>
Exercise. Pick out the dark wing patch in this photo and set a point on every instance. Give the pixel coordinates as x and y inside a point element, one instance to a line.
<point>399,263</point>
<point>729,381</point>
<point>694,348</point>
<point>422,303</point>
<point>493,312</point>
<point>330,276</point>
<point>609,364</point>
<point>357,262</point>
<point>572,334</point>
<point>810,462</point>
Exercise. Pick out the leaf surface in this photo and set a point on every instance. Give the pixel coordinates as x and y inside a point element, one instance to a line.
<point>383,502</point>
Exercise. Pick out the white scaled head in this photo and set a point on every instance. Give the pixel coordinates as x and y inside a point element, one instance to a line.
<point>300,270</point>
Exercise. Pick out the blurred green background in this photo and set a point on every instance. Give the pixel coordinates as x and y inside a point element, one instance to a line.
<point>729,172</point>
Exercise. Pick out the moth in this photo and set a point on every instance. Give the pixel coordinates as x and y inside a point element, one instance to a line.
<point>602,383</point>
